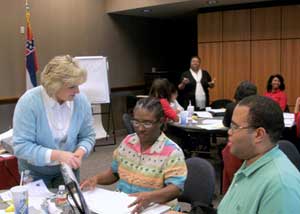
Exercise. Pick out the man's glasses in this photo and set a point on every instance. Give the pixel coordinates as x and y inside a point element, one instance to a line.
<point>235,127</point>
<point>146,124</point>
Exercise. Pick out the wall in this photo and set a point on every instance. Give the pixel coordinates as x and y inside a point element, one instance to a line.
<point>133,45</point>
<point>251,44</point>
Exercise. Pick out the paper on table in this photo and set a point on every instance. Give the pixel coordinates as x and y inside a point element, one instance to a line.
<point>212,122</point>
<point>288,115</point>
<point>211,126</point>
<point>38,189</point>
<point>6,196</point>
<point>203,114</point>
<point>107,202</point>
<point>6,134</point>
<point>5,155</point>
<point>289,122</point>
<point>218,110</point>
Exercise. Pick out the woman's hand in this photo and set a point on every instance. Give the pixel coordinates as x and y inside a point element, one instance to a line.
<point>185,81</point>
<point>89,184</point>
<point>211,84</point>
<point>142,201</point>
<point>69,158</point>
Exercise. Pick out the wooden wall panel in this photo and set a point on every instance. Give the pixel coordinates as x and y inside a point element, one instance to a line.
<point>290,68</point>
<point>266,23</point>
<point>236,25</point>
<point>210,54</point>
<point>210,27</point>
<point>265,60</point>
<point>236,65</point>
<point>290,21</point>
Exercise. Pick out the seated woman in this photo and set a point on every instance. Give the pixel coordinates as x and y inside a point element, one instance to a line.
<point>53,123</point>
<point>147,164</point>
<point>232,163</point>
<point>161,89</point>
<point>275,90</point>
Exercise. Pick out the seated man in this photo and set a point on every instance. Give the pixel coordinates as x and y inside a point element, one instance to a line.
<point>267,182</point>
<point>147,164</point>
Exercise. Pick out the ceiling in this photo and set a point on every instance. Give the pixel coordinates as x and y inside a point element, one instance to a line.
<point>183,8</point>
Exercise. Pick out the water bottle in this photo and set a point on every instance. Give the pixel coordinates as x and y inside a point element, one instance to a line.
<point>27,178</point>
<point>190,110</point>
<point>61,196</point>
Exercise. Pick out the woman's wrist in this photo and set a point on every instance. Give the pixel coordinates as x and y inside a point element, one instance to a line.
<point>79,153</point>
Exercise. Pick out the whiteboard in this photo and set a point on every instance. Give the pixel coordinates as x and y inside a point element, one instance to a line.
<point>96,87</point>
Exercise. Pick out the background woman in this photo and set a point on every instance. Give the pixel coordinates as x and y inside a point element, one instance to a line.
<point>161,89</point>
<point>194,85</point>
<point>53,123</point>
<point>275,90</point>
<point>147,163</point>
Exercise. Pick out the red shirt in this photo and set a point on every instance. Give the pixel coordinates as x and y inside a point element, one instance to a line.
<point>168,111</point>
<point>279,97</point>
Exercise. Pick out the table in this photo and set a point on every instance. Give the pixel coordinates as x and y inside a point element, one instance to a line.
<point>193,127</point>
<point>193,138</point>
<point>66,210</point>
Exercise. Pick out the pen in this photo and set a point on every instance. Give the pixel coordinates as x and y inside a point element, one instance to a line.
<point>21,180</point>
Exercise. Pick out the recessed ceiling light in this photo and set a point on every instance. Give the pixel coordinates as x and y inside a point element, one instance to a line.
<point>210,2</point>
<point>147,10</point>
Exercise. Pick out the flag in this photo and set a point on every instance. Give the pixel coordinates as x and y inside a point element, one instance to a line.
<point>30,53</point>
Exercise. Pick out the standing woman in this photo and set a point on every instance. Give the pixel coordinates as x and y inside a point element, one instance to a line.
<point>53,123</point>
<point>194,85</point>
<point>275,90</point>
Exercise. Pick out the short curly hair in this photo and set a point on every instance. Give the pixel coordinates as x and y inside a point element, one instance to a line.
<point>59,71</point>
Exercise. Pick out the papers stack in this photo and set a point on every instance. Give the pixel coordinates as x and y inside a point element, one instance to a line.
<point>106,202</point>
<point>211,124</point>
<point>203,114</point>
<point>289,119</point>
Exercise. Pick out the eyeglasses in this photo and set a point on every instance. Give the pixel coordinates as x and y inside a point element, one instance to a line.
<point>146,124</point>
<point>235,127</point>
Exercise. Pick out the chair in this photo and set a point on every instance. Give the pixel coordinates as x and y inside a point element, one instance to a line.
<point>221,103</point>
<point>287,109</point>
<point>127,123</point>
<point>199,186</point>
<point>290,151</point>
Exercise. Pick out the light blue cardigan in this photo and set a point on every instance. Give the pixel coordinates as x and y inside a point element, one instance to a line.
<point>32,135</point>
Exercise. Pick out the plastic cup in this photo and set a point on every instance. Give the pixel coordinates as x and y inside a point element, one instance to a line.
<point>20,199</point>
<point>207,108</point>
<point>183,117</point>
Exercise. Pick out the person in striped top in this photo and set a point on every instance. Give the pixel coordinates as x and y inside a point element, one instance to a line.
<point>147,164</point>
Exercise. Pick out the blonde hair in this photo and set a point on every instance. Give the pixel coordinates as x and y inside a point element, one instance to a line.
<point>61,70</point>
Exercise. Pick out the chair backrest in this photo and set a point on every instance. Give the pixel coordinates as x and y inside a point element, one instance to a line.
<point>127,123</point>
<point>200,183</point>
<point>287,109</point>
<point>222,103</point>
<point>290,151</point>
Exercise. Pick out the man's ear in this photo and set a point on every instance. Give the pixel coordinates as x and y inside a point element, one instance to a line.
<point>260,134</point>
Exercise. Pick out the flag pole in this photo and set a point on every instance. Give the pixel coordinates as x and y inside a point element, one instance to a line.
<point>30,52</point>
